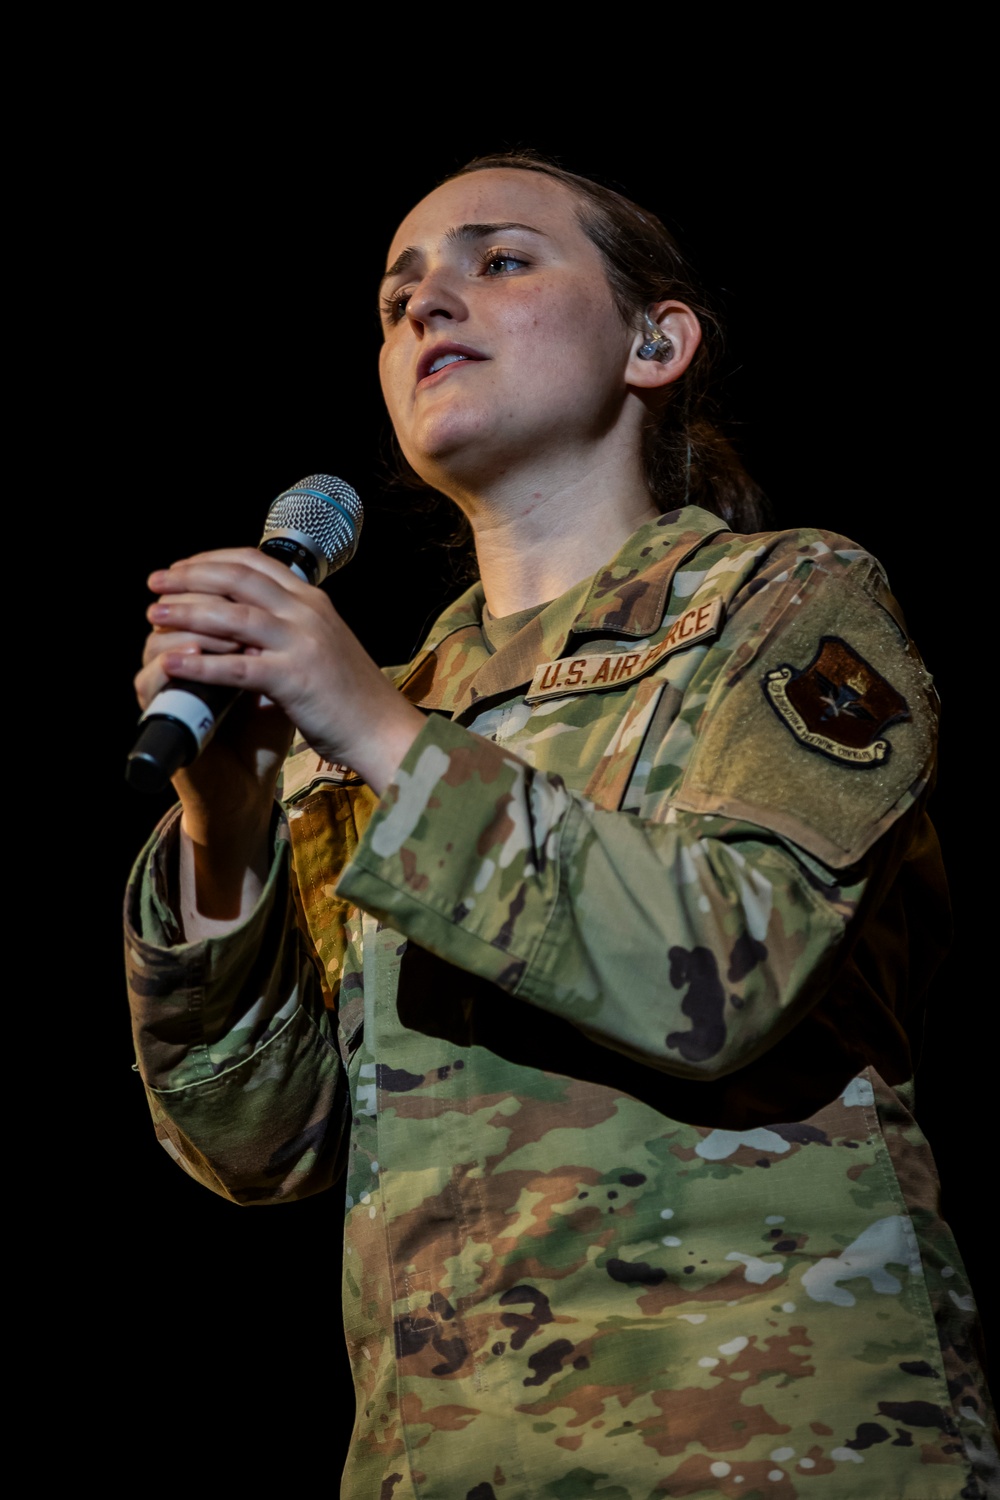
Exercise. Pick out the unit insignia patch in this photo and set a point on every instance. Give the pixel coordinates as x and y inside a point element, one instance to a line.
<point>838,705</point>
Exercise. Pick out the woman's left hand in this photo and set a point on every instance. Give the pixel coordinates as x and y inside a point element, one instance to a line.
<point>296,650</point>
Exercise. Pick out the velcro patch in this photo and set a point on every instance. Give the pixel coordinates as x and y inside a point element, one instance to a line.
<point>838,704</point>
<point>305,770</point>
<point>582,674</point>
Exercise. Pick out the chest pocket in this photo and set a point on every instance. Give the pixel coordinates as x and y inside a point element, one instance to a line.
<point>602,744</point>
<point>619,778</point>
<point>599,745</point>
<point>625,702</point>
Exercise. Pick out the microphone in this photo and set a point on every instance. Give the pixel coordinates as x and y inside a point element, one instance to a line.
<point>313,528</point>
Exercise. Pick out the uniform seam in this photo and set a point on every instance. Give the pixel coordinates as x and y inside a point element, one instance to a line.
<point>223,1078</point>
<point>928,1322</point>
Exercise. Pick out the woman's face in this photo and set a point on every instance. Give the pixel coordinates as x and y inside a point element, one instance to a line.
<point>502,341</point>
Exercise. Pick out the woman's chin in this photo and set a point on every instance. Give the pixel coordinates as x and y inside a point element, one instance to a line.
<point>453,453</point>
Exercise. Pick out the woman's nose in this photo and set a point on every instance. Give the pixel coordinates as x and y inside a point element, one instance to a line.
<point>436,296</point>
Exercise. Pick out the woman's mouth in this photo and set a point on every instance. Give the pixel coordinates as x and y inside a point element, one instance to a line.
<point>446,359</point>
<point>435,360</point>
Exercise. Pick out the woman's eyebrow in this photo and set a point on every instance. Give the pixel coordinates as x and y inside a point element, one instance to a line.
<point>460,234</point>
<point>404,260</point>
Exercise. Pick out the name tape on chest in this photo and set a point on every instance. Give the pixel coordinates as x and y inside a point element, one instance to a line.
<point>582,674</point>
<point>306,770</point>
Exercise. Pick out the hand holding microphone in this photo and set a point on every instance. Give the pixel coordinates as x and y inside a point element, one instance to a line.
<point>243,649</point>
<point>240,634</point>
<point>312,528</point>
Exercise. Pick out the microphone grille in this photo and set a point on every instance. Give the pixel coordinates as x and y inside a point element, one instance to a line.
<point>323,509</point>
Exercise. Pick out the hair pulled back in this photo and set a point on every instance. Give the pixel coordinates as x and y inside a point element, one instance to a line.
<point>687,459</point>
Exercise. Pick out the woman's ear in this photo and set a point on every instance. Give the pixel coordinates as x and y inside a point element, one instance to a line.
<point>664,346</point>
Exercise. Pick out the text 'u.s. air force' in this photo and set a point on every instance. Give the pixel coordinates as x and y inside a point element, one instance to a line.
<point>581,674</point>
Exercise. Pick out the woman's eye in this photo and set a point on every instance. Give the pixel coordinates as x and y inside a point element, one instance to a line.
<point>499,263</point>
<point>394,307</point>
<point>493,263</point>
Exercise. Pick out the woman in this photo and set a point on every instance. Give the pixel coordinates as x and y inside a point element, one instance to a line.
<point>599,960</point>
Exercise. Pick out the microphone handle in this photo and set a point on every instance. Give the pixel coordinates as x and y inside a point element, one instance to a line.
<point>187,715</point>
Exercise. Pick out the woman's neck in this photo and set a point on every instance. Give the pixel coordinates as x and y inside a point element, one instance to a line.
<point>533,542</point>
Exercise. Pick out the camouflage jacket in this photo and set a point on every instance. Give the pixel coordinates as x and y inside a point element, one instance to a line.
<point>609,1002</point>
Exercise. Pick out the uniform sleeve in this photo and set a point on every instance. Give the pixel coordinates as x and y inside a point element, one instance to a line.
<point>694,934</point>
<point>232,1038</point>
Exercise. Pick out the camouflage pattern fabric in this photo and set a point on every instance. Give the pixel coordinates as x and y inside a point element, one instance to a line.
<point>610,1002</point>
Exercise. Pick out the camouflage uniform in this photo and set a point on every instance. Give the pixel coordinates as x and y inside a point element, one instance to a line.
<point>609,1009</point>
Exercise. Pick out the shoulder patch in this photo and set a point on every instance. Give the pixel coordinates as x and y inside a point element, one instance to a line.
<point>582,674</point>
<point>837,705</point>
<point>817,721</point>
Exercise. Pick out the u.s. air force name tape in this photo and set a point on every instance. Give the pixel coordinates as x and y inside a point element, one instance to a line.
<point>581,674</point>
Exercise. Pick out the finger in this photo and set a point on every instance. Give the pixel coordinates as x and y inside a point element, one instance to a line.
<point>232,623</point>
<point>179,613</point>
<point>236,572</point>
<point>248,671</point>
<point>153,678</point>
<point>162,640</point>
<point>180,662</point>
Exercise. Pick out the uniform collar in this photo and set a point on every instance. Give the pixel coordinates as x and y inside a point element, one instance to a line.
<point>627,599</point>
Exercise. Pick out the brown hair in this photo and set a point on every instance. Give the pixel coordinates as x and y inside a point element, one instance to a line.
<point>688,460</point>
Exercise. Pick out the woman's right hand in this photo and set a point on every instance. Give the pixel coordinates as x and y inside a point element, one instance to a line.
<point>226,793</point>
<point>240,619</point>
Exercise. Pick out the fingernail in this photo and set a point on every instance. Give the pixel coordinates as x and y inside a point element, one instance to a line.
<point>178,660</point>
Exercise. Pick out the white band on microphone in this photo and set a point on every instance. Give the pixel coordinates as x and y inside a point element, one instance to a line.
<point>175,703</point>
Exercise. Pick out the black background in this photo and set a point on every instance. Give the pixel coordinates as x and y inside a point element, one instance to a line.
<point>237,318</point>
